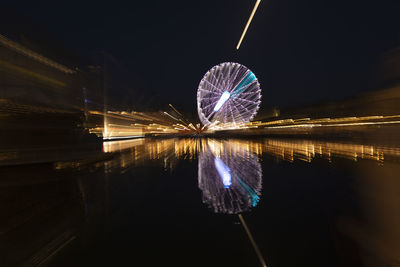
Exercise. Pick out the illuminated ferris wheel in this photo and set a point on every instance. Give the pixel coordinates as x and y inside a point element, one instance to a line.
<point>229,95</point>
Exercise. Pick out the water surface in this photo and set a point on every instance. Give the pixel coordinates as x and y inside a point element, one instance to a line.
<point>207,202</point>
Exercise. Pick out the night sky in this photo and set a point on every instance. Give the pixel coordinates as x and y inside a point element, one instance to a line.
<point>301,51</point>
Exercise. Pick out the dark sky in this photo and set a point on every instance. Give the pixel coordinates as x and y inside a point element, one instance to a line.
<point>301,51</point>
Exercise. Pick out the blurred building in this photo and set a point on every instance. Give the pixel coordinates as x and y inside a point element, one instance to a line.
<point>56,104</point>
<point>44,89</point>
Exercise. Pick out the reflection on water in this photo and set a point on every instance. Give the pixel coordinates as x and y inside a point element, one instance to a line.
<point>140,151</point>
<point>52,208</point>
<point>229,176</point>
<point>229,172</point>
<point>284,149</point>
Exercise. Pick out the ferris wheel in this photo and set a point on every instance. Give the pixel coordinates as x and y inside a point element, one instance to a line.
<point>229,94</point>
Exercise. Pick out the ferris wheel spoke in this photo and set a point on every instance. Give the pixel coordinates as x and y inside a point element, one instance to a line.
<point>246,87</point>
<point>243,88</point>
<point>209,93</point>
<point>208,105</point>
<point>238,113</point>
<point>245,100</point>
<point>228,77</point>
<point>205,90</point>
<point>233,80</point>
<point>245,108</point>
<point>248,93</point>
<point>217,79</point>
<point>211,97</point>
<point>231,114</point>
<point>238,83</point>
<point>221,79</point>
<point>213,86</point>
<point>223,114</point>
<point>224,82</point>
<point>243,115</point>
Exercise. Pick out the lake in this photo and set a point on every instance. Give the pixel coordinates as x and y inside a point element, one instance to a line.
<point>207,202</point>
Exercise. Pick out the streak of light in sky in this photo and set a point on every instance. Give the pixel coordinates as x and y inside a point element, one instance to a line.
<point>248,23</point>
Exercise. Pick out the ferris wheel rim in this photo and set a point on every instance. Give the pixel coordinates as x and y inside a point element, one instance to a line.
<point>216,92</point>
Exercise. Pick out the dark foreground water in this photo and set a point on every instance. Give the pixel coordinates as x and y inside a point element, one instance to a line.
<point>206,202</point>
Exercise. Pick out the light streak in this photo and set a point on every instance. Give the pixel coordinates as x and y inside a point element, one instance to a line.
<point>321,122</point>
<point>223,171</point>
<point>122,137</point>
<point>29,53</point>
<point>250,191</point>
<point>245,83</point>
<point>253,242</point>
<point>175,109</point>
<point>224,97</point>
<point>248,23</point>
<point>30,73</point>
<point>191,126</point>
<point>334,125</point>
<point>166,113</point>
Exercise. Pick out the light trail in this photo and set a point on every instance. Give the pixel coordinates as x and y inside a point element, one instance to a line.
<point>191,126</point>
<point>175,109</point>
<point>335,125</point>
<point>326,122</point>
<point>224,97</point>
<point>166,113</point>
<point>29,53</point>
<point>248,23</point>
<point>252,241</point>
<point>223,171</point>
<point>311,123</point>
<point>247,80</point>
<point>111,138</point>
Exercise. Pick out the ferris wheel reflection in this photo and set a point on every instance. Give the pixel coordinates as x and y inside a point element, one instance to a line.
<point>229,176</point>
